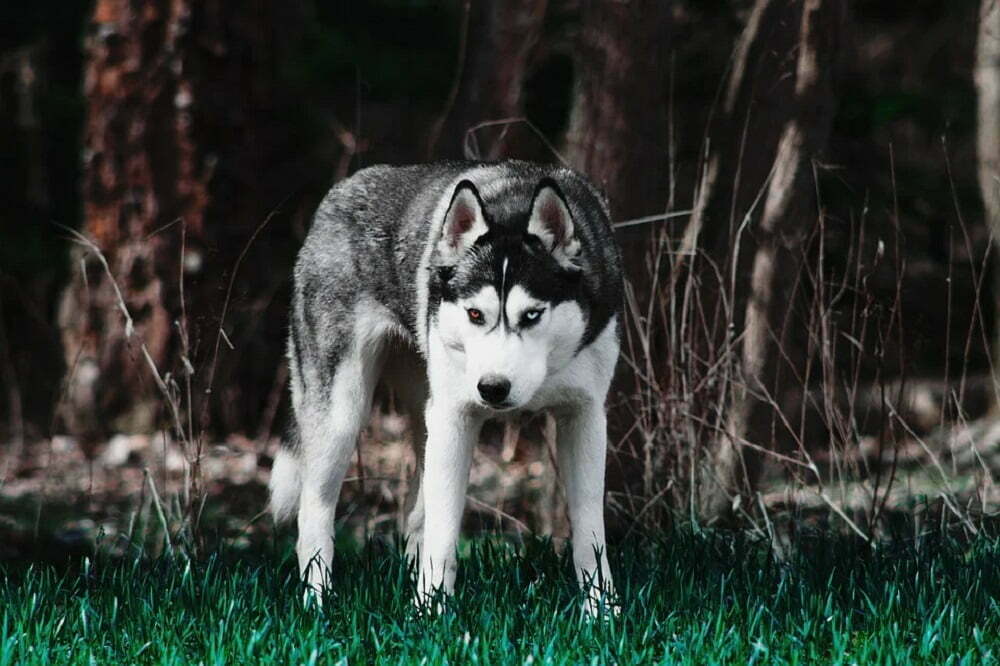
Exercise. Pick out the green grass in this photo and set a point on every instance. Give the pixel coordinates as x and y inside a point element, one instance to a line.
<point>687,599</point>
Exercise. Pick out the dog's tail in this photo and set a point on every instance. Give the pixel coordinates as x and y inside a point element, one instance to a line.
<point>285,485</point>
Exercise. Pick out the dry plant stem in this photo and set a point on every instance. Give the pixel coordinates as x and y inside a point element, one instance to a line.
<point>221,334</point>
<point>802,136</point>
<point>978,317</point>
<point>159,510</point>
<point>654,408</point>
<point>472,152</point>
<point>192,478</point>
<point>646,219</point>
<point>809,463</point>
<point>841,390</point>
<point>192,490</point>
<point>130,330</point>
<point>949,493</point>
<point>140,509</point>
<point>772,536</point>
<point>499,513</point>
<point>717,490</point>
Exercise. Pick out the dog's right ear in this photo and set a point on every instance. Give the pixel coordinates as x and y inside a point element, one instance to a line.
<point>463,223</point>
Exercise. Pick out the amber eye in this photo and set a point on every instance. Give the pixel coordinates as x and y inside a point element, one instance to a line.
<point>475,316</point>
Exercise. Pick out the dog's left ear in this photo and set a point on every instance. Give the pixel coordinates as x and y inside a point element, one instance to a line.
<point>552,223</point>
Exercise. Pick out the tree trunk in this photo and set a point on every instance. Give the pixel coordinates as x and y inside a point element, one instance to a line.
<point>498,41</point>
<point>785,223</point>
<point>987,78</point>
<point>743,130</point>
<point>177,176</point>
<point>617,131</point>
<point>740,143</point>
<point>618,136</point>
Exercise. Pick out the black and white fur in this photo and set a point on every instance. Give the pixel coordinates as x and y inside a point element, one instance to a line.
<point>477,291</point>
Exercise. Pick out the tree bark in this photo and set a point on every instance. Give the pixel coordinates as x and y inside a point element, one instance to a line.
<point>617,131</point>
<point>618,136</point>
<point>740,144</point>
<point>498,42</point>
<point>778,239</point>
<point>743,130</point>
<point>987,79</point>
<point>178,172</point>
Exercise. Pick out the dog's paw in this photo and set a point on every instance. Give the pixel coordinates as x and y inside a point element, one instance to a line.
<point>428,604</point>
<point>312,598</point>
<point>601,604</point>
<point>414,541</point>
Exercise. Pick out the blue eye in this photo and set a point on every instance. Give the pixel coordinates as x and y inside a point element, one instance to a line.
<point>531,317</point>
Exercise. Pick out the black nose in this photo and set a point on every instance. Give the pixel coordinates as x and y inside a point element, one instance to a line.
<point>494,389</point>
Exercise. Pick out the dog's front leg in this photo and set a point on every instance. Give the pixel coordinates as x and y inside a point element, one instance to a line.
<point>582,447</point>
<point>451,434</point>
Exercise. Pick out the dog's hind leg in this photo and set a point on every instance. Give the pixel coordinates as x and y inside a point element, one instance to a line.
<point>406,374</point>
<point>415,401</point>
<point>330,419</point>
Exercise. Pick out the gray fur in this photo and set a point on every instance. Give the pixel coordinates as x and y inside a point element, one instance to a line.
<point>368,285</point>
<point>369,235</point>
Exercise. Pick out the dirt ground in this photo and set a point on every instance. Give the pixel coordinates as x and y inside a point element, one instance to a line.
<point>56,500</point>
<point>52,495</point>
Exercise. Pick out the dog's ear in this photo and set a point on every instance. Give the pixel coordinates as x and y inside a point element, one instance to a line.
<point>552,223</point>
<point>463,223</point>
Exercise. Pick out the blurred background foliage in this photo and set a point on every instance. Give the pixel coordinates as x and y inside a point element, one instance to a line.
<point>354,84</point>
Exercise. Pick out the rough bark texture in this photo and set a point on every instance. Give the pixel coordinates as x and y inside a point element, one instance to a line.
<point>499,40</point>
<point>617,131</point>
<point>786,221</point>
<point>168,155</point>
<point>987,78</point>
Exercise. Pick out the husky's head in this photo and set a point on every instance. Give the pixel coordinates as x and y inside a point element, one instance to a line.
<point>508,312</point>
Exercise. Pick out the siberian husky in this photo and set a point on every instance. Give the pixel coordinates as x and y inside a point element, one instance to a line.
<point>478,291</point>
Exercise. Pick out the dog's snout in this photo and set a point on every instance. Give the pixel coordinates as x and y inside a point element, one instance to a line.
<point>494,389</point>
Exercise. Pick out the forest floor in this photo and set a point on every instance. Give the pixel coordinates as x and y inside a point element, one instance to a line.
<point>54,498</point>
